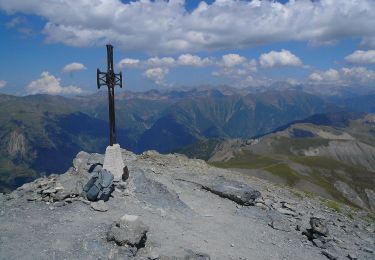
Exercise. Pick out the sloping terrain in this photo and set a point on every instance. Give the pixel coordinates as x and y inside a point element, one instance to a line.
<point>172,207</point>
<point>329,154</point>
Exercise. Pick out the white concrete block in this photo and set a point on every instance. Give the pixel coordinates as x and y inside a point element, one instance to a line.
<point>113,161</point>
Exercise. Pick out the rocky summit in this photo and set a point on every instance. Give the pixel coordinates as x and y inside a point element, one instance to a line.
<point>172,207</point>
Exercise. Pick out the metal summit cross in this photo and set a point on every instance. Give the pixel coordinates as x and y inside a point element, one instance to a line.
<point>110,79</point>
<point>113,161</point>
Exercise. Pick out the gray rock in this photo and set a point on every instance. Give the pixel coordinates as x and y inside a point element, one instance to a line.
<point>238,192</point>
<point>148,253</point>
<point>280,224</point>
<point>189,256</point>
<point>121,185</point>
<point>33,197</point>
<point>85,201</point>
<point>48,191</point>
<point>59,204</point>
<point>118,253</point>
<point>99,206</point>
<point>286,205</point>
<point>59,187</point>
<point>330,255</point>
<point>196,256</point>
<point>352,256</point>
<point>156,193</point>
<point>286,212</point>
<point>319,226</point>
<point>60,195</point>
<point>128,231</point>
<point>368,250</point>
<point>318,243</point>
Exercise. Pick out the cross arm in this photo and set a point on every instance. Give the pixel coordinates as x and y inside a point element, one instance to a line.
<point>109,79</point>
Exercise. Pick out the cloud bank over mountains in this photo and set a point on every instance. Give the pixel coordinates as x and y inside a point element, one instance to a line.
<point>344,76</point>
<point>49,84</point>
<point>245,72</point>
<point>238,42</point>
<point>167,27</point>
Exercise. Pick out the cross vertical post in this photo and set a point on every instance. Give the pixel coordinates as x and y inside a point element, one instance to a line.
<point>110,79</point>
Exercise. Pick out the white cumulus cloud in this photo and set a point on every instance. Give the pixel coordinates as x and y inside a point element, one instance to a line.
<point>128,63</point>
<point>49,84</point>
<point>166,26</point>
<point>328,75</point>
<point>3,83</point>
<point>344,76</point>
<point>231,60</point>
<point>359,74</point>
<point>192,60</point>
<point>361,57</point>
<point>277,59</point>
<point>156,74</point>
<point>316,76</point>
<point>162,62</point>
<point>74,66</point>
<point>238,69</point>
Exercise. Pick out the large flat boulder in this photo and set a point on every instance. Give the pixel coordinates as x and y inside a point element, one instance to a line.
<point>238,192</point>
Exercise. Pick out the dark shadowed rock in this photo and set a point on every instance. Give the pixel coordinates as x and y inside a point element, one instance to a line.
<point>125,174</point>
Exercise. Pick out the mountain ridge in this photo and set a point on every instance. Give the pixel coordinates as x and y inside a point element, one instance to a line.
<point>329,154</point>
<point>142,124</point>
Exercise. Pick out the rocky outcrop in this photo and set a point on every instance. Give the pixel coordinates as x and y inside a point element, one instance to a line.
<point>171,207</point>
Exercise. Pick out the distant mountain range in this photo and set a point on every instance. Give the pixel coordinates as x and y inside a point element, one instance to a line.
<point>332,155</point>
<point>40,134</point>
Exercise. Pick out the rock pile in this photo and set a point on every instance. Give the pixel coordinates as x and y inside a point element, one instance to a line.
<point>51,191</point>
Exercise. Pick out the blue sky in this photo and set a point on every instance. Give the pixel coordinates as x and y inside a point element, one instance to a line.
<point>163,44</point>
